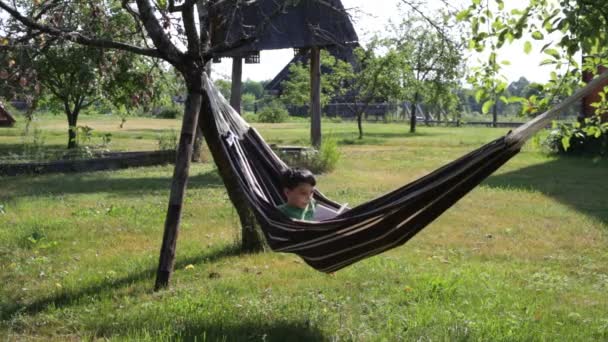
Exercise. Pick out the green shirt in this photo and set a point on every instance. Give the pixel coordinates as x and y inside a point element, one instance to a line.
<point>306,214</point>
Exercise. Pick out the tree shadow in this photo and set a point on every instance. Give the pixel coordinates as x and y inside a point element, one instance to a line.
<point>60,184</point>
<point>70,297</point>
<point>576,182</point>
<point>243,330</point>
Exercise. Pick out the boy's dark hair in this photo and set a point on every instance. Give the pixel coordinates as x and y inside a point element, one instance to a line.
<point>291,178</point>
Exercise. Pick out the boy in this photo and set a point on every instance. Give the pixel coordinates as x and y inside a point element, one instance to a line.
<point>298,186</point>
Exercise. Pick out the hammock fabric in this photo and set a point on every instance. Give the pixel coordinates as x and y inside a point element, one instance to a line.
<point>339,239</point>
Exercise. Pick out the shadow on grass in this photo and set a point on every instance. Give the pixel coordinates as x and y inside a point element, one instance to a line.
<point>69,297</point>
<point>250,331</point>
<point>576,182</point>
<point>242,330</point>
<point>96,182</point>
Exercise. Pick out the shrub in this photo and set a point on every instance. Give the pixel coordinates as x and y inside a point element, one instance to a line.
<point>172,112</point>
<point>321,161</point>
<point>328,156</point>
<point>250,117</point>
<point>590,138</point>
<point>274,112</point>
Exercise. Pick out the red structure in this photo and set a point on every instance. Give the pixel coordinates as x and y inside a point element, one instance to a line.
<point>6,120</point>
<point>587,109</point>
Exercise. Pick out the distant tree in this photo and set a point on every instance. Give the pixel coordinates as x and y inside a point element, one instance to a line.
<point>248,101</point>
<point>224,86</point>
<point>432,61</point>
<point>253,87</point>
<point>296,89</point>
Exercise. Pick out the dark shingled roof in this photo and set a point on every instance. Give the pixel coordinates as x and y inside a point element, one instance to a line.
<point>240,28</point>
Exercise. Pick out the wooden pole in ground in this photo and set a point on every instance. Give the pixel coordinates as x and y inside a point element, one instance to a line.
<point>237,83</point>
<point>315,97</point>
<point>180,180</point>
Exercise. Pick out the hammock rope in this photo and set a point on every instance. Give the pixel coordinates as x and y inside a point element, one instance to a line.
<point>340,237</point>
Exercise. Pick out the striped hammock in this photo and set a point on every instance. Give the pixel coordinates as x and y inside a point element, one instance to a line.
<point>338,238</point>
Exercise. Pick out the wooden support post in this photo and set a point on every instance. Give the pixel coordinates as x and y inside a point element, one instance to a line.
<point>237,83</point>
<point>315,97</point>
<point>178,186</point>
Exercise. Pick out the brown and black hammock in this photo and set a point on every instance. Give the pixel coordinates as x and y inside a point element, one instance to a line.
<point>340,237</point>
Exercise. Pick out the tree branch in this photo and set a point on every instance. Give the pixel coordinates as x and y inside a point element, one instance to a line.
<point>77,36</point>
<point>162,42</point>
<point>190,27</point>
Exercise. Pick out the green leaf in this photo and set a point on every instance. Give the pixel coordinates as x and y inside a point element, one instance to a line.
<point>537,35</point>
<point>527,47</point>
<point>478,95</point>
<point>548,61</point>
<point>553,53</point>
<point>486,106</point>
<point>566,143</point>
<point>462,15</point>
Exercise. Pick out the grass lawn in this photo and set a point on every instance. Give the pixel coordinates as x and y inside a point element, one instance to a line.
<point>522,257</point>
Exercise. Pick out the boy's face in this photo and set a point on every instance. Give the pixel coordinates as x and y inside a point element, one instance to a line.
<point>300,195</point>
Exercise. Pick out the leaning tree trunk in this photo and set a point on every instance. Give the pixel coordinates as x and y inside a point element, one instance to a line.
<point>180,179</point>
<point>252,239</point>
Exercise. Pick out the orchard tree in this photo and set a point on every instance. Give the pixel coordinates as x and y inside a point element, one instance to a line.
<point>431,60</point>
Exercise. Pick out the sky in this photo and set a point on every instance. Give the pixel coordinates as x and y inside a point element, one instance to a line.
<point>369,16</point>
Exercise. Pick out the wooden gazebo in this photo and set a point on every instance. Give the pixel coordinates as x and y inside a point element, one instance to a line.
<point>241,30</point>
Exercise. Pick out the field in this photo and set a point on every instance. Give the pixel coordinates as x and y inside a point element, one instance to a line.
<point>522,257</point>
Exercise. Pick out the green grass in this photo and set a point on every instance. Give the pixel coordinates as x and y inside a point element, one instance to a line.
<point>523,257</point>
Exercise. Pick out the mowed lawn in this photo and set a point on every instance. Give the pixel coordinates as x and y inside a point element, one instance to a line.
<point>524,256</point>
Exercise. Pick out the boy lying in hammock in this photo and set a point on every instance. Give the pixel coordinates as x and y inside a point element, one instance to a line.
<point>298,186</point>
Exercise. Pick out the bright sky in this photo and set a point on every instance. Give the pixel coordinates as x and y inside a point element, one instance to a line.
<point>372,16</point>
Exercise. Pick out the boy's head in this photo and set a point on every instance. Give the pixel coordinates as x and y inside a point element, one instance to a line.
<point>298,186</point>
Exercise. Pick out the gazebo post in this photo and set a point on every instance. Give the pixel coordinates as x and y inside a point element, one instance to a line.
<point>237,83</point>
<point>315,96</point>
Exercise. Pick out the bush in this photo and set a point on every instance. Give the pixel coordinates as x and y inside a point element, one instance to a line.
<point>328,156</point>
<point>274,112</point>
<point>321,161</point>
<point>172,112</point>
<point>590,138</point>
<point>250,117</point>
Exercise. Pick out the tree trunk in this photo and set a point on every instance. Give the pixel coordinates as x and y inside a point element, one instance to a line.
<point>252,239</point>
<point>413,110</point>
<point>72,122</point>
<point>315,96</point>
<point>237,83</point>
<point>197,147</point>
<point>495,113</point>
<point>359,125</point>
<point>180,178</point>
